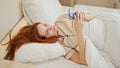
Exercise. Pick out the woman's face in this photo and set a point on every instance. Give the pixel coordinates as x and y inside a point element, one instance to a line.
<point>47,30</point>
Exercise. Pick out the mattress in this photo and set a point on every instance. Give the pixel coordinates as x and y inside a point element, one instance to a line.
<point>58,63</point>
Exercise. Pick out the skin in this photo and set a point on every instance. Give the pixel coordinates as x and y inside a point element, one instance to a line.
<point>48,30</point>
<point>79,57</point>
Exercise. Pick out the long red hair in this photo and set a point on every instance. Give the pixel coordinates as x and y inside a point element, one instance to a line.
<point>27,34</point>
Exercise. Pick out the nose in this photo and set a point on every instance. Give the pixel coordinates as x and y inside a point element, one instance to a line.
<point>50,27</point>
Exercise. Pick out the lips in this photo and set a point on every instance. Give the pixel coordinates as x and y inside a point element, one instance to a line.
<point>55,28</point>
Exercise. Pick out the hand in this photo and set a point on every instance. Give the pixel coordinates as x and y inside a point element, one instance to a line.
<point>79,17</point>
<point>79,20</point>
<point>87,16</point>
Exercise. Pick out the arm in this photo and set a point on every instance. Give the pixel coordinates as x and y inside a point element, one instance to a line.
<point>78,24</point>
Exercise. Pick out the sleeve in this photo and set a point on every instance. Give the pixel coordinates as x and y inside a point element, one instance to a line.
<point>65,27</point>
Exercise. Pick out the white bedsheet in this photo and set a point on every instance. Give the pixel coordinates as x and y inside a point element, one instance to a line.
<point>58,63</point>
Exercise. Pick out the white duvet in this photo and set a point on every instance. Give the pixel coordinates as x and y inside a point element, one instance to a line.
<point>112,25</point>
<point>94,58</point>
<point>111,48</point>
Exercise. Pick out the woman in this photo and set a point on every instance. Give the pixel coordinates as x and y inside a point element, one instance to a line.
<point>43,33</point>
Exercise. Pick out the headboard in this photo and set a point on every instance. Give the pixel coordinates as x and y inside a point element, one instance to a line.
<point>10,14</point>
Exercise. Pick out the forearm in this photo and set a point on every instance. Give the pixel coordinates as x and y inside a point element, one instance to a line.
<point>81,42</point>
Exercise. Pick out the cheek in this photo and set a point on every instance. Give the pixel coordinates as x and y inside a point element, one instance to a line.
<point>51,34</point>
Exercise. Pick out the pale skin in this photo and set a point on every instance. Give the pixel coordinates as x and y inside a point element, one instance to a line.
<point>80,57</point>
<point>48,30</point>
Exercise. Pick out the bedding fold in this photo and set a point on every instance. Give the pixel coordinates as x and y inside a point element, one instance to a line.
<point>94,58</point>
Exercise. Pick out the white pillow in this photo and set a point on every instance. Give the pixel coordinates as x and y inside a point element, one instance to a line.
<point>42,10</point>
<point>95,30</point>
<point>36,52</point>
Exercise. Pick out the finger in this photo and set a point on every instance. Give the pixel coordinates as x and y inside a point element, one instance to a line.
<point>77,16</point>
<point>83,14</point>
<point>81,17</point>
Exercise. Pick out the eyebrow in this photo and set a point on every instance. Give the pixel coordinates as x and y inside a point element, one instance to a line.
<point>44,24</point>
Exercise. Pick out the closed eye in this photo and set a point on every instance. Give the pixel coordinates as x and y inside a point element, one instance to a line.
<point>47,32</point>
<point>45,25</point>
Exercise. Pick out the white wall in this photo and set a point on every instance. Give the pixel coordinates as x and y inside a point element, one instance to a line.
<point>102,3</point>
<point>10,13</point>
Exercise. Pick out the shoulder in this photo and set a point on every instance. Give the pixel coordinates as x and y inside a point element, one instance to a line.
<point>63,20</point>
<point>63,16</point>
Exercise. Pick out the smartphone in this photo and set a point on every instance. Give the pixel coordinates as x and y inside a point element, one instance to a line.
<point>71,13</point>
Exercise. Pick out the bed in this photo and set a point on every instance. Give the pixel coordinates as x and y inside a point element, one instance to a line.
<point>103,42</point>
<point>59,63</point>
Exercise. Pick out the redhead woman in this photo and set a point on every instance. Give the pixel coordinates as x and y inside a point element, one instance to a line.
<point>46,33</point>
